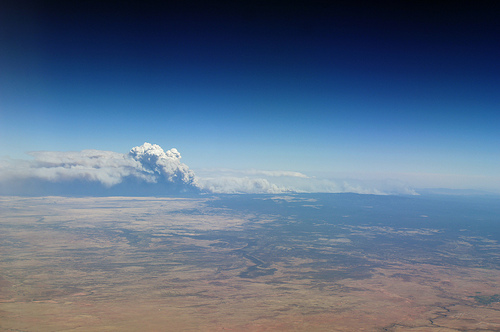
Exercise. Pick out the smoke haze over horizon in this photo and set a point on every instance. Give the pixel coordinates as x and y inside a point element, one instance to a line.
<point>150,170</point>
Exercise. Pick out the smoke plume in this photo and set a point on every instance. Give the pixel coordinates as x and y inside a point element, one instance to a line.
<point>146,169</point>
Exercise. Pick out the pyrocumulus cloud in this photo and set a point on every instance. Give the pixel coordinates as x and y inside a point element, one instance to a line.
<point>150,170</point>
<point>147,163</point>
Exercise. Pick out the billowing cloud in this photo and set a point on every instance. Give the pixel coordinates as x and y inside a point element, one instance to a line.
<point>150,170</point>
<point>145,169</point>
<point>163,164</point>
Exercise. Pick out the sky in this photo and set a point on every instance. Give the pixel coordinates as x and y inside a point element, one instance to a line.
<point>369,94</point>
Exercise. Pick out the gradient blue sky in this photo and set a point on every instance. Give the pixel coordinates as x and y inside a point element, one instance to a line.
<point>377,91</point>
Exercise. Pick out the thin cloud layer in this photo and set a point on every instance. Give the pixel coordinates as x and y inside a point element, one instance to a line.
<point>276,182</point>
<point>253,172</point>
<point>241,185</point>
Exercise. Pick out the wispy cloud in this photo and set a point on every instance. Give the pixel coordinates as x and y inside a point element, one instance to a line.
<point>277,181</point>
<point>241,185</point>
<point>272,173</point>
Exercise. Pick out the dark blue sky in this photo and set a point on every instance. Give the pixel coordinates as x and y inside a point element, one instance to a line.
<point>308,86</point>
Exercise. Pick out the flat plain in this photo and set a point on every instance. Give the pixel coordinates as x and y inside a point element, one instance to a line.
<point>254,263</point>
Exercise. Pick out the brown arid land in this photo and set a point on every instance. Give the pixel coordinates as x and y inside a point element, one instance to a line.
<point>181,264</point>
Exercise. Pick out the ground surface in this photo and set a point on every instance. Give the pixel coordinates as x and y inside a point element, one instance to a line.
<point>283,263</point>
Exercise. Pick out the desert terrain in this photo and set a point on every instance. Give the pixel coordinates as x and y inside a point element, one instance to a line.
<point>185,264</point>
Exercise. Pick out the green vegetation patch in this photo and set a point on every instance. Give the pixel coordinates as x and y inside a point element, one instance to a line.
<point>255,271</point>
<point>487,299</point>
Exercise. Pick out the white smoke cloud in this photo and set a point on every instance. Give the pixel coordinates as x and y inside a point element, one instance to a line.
<point>163,163</point>
<point>147,164</point>
<point>106,167</point>
<point>275,182</point>
<point>241,185</point>
<point>149,170</point>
